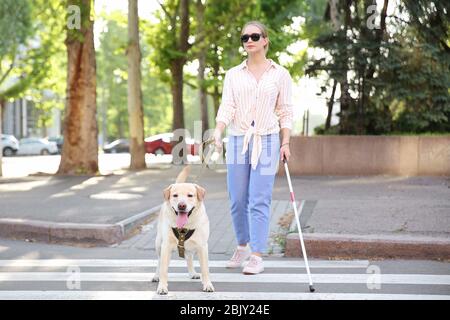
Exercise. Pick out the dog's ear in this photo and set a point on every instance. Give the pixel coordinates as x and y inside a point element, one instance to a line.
<point>200,192</point>
<point>166,192</point>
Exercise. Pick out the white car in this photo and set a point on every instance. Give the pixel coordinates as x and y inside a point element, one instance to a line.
<point>9,145</point>
<point>30,146</point>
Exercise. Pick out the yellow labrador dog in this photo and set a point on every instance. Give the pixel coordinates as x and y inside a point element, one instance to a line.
<point>183,226</point>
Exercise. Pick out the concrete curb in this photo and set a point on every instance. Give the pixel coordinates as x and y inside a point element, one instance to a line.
<point>129,225</point>
<point>74,233</point>
<point>323,245</point>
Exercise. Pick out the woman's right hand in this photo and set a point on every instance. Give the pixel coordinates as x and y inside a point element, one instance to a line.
<point>217,136</point>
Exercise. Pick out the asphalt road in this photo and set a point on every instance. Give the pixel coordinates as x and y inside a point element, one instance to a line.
<point>21,166</point>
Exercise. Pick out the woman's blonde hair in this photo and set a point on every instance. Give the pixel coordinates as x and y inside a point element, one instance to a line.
<point>263,30</point>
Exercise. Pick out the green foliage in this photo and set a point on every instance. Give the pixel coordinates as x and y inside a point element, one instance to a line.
<point>49,60</point>
<point>419,74</point>
<point>112,83</point>
<point>15,30</point>
<point>15,25</point>
<point>419,83</point>
<point>398,78</point>
<point>221,33</point>
<point>38,64</point>
<point>320,130</point>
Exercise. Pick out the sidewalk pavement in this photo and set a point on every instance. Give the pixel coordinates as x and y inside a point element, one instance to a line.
<point>341,217</point>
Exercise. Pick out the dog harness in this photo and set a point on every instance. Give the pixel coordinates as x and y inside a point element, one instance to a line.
<point>182,235</point>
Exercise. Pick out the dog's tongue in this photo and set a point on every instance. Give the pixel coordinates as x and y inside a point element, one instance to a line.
<point>182,219</point>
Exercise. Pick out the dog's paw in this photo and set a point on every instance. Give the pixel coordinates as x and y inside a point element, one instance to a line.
<point>194,275</point>
<point>208,287</point>
<point>155,279</point>
<point>162,290</point>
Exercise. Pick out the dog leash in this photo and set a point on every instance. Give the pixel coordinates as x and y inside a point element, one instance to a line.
<point>184,234</point>
<point>206,157</point>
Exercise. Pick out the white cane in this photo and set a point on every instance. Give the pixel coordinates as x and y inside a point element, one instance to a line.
<point>286,169</point>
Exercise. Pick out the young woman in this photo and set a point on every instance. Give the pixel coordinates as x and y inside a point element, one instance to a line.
<point>256,106</point>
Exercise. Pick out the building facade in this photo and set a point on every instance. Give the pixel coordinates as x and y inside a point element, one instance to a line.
<point>20,119</point>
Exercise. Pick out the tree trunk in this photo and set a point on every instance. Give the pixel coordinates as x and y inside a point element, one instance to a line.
<point>201,70</point>
<point>344,87</point>
<point>203,93</point>
<point>178,154</point>
<point>345,99</point>
<point>376,37</point>
<point>334,15</point>
<point>177,65</point>
<point>330,106</point>
<point>177,94</point>
<point>216,93</point>
<point>120,128</point>
<point>135,110</point>
<point>80,149</point>
<point>176,69</point>
<point>216,99</point>
<point>360,112</point>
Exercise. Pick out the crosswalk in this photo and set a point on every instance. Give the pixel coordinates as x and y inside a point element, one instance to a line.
<point>283,279</point>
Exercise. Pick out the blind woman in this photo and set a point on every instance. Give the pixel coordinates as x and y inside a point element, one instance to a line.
<point>256,108</point>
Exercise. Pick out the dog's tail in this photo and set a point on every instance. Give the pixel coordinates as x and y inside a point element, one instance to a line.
<point>182,176</point>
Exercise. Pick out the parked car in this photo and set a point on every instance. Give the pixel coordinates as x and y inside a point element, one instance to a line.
<point>162,144</point>
<point>159,144</point>
<point>117,146</point>
<point>29,146</point>
<point>59,140</point>
<point>9,145</point>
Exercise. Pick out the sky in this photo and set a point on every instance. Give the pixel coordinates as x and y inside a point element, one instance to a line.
<point>304,93</point>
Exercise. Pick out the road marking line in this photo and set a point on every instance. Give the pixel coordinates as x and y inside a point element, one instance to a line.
<point>419,279</point>
<point>188,295</point>
<point>175,263</point>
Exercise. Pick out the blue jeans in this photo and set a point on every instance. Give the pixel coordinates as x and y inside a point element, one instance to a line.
<point>250,191</point>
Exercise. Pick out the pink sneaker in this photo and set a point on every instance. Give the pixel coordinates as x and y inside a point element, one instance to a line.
<point>239,257</point>
<point>254,266</point>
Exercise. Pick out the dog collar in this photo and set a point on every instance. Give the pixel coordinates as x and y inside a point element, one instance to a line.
<point>182,235</point>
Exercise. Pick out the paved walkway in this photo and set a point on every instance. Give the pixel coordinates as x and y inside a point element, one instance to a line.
<point>222,239</point>
<point>373,206</point>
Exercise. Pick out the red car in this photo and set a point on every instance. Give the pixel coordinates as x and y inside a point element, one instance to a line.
<point>161,144</point>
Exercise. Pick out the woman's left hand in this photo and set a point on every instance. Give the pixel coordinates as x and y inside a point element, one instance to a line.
<point>285,152</point>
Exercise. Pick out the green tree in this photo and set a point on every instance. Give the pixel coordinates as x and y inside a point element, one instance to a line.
<point>15,26</point>
<point>112,82</point>
<point>29,48</point>
<point>393,75</point>
<point>112,77</point>
<point>215,28</point>
<point>419,68</point>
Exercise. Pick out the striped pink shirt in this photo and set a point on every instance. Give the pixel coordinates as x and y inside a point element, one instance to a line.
<point>267,102</point>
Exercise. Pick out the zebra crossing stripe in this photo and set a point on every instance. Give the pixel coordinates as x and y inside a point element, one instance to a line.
<point>419,279</point>
<point>192,295</point>
<point>175,263</point>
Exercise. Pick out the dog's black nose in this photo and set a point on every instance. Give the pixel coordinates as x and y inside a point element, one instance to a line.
<point>182,206</point>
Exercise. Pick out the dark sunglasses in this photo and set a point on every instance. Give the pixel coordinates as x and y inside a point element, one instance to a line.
<point>254,36</point>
